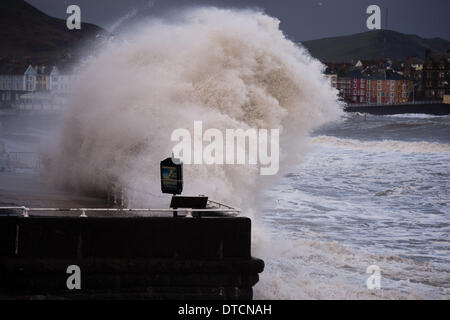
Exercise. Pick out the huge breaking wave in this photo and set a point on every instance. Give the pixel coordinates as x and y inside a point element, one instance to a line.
<point>230,69</point>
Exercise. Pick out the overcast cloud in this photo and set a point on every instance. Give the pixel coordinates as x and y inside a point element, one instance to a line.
<point>300,20</point>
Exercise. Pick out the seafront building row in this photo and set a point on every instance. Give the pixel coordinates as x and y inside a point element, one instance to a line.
<point>375,89</point>
<point>364,82</point>
<point>21,85</point>
<point>386,82</point>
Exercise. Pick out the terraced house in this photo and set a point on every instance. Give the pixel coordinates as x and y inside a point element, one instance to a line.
<point>381,88</point>
<point>21,84</point>
<point>16,80</point>
<point>436,75</point>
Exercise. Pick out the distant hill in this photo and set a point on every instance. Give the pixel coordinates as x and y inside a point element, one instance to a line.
<point>29,34</point>
<point>373,45</point>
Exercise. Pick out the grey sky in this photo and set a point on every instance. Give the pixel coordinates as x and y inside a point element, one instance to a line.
<point>300,19</point>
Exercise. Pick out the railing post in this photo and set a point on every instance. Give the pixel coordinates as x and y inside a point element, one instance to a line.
<point>114,195</point>
<point>25,212</point>
<point>122,200</point>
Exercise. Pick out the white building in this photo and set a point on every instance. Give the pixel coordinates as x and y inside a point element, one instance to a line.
<point>42,78</point>
<point>61,82</point>
<point>16,80</point>
<point>333,79</point>
<point>36,84</point>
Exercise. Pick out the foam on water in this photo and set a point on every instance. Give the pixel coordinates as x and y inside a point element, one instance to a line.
<point>356,203</point>
<point>384,145</point>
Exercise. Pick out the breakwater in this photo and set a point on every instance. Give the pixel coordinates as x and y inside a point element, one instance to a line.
<point>127,257</point>
<point>425,108</point>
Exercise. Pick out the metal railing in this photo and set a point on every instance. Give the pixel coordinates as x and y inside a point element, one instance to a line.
<point>119,196</point>
<point>25,211</point>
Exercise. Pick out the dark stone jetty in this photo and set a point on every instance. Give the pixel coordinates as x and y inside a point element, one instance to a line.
<point>425,108</point>
<point>127,257</point>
